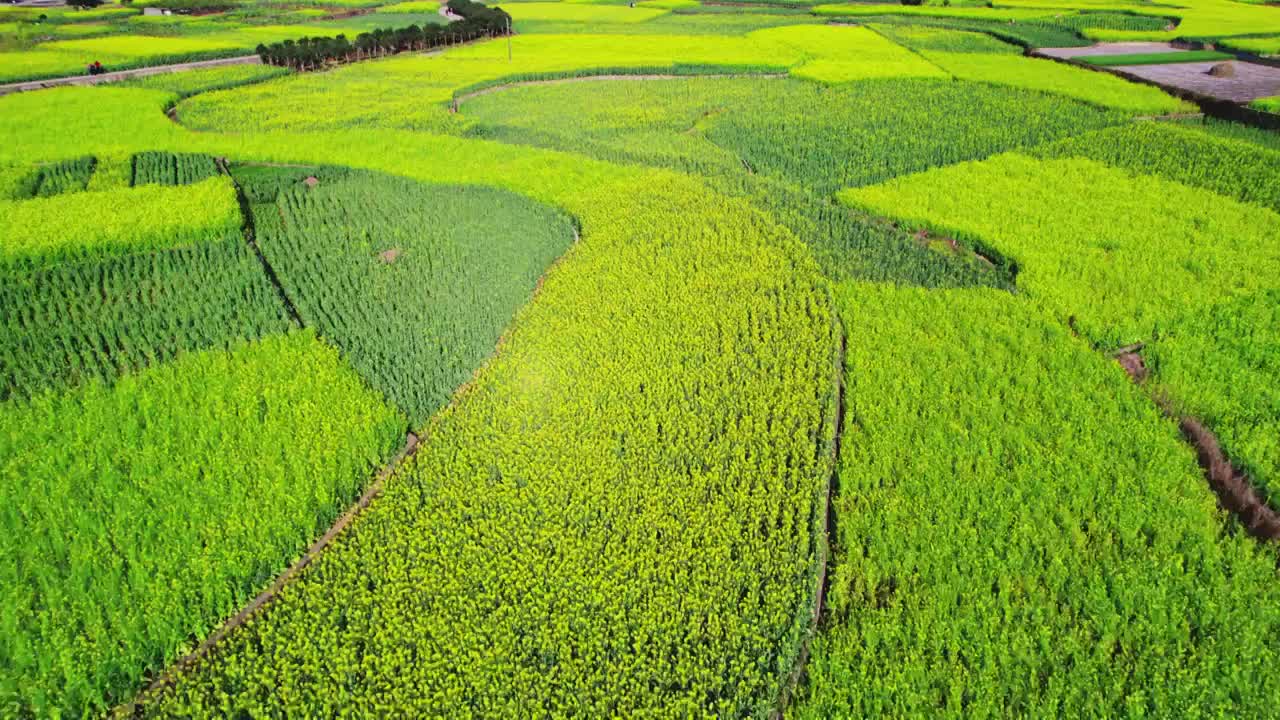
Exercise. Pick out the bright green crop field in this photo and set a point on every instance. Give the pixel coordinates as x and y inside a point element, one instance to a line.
<point>657,360</point>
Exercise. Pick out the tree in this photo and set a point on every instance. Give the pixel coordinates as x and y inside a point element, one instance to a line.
<point>84,4</point>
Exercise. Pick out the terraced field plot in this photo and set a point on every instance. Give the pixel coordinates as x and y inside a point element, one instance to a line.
<point>658,361</point>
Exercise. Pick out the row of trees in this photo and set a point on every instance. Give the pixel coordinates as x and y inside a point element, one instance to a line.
<point>478,21</point>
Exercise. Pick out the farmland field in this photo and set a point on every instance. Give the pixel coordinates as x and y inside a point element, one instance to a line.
<point>657,359</point>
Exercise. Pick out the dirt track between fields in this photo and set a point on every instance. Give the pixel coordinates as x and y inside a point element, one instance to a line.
<point>85,80</point>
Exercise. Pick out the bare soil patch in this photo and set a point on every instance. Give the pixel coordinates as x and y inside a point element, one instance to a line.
<point>1223,70</point>
<point>1115,48</point>
<point>1244,82</point>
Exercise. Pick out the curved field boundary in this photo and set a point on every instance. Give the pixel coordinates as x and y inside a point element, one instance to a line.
<point>1235,490</point>
<point>466,94</point>
<point>412,442</point>
<point>127,74</point>
<point>824,525</point>
<point>911,50</point>
<point>266,596</point>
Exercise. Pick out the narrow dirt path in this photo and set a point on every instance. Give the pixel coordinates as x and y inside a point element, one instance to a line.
<point>85,80</point>
<point>1234,488</point>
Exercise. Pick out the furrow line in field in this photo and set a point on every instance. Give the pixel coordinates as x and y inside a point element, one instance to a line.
<point>1236,491</point>
<point>246,210</point>
<point>825,516</point>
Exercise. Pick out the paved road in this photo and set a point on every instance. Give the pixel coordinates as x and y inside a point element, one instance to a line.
<point>126,74</point>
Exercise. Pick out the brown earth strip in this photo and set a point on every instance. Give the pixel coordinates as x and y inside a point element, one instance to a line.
<point>1235,490</point>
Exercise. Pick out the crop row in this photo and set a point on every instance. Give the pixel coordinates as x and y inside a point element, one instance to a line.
<point>1180,248</point>
<point>23,182</point>
<point>1222,365</point>
<point>813,141</point>
<point>1157,58</point>
<point>1114,21</point>
<point>349,97</point>
<point>78,174</point>
<point>928,37</point>
<point>1185,154</point>
<point>1027,34</point>
<point>193,82</point>
<point>413,282</point>
<point>73,323</point>
<point>129,527</point>
<point>617,518</point>
<point>1203,19</point>
<point>124,278</point>
<point>64,177</point>
<point>164,168</point>
<point>1098,89</point>
<point>1192,273</point>
<point>1234,131</point>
